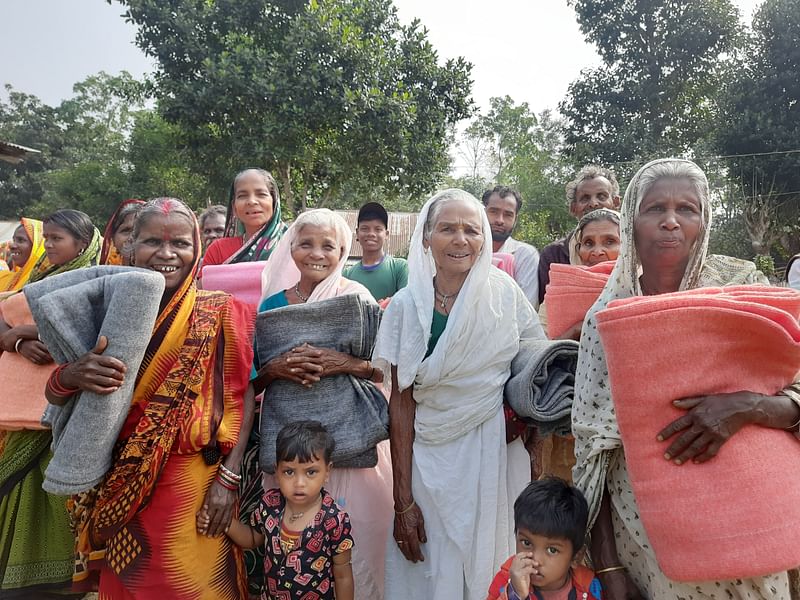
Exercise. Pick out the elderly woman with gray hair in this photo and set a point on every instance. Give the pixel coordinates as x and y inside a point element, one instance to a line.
<point>665,226</point>
<point>448,340</point>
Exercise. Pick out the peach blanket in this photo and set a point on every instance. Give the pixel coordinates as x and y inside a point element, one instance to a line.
<point>23,382</point>
<point>736,516</point>
<point>243,280</point>
<point>572,291</point>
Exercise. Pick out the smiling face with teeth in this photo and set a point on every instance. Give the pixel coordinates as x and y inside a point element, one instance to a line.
<point>457,238</point>
<point>317,253</point>
<point>252,201</point>
<point>165,244</point>
<point>20,247</point>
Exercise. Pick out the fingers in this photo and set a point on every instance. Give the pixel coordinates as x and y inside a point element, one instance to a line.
<point>221,521</point>
<point>109,362</point>
<point>710,452</point>
<point>677,425</point>
<point>101,345</point>
<point>688,403</point>
<point>423,537</point>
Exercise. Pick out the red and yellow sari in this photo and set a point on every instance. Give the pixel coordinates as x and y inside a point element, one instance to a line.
<point>138,527</point>
<point>110,254</point>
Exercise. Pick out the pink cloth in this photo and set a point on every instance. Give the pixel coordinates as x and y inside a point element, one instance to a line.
<point>243,280</point>
<point>572,291</point>
<point>504,262</point>
<point>736,516</point>
<point>23,381</point>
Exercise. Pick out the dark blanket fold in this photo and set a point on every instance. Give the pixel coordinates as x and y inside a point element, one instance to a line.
<point>353,410</point>
<point>542,384</point>
<point>72,311</point>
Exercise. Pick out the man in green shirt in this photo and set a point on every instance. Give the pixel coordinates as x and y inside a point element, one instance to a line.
<point>380,273</point>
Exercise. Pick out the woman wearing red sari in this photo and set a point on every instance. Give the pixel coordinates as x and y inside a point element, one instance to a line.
<point>182,443</point>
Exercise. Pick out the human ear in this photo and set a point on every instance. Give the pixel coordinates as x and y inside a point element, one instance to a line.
<point>617,202</point>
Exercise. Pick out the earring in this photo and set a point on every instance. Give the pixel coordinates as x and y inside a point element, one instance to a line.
<point>82,251</point>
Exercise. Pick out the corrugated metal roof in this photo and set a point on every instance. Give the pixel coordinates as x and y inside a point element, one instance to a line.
<point>14,153</point>
<point>401,226</point>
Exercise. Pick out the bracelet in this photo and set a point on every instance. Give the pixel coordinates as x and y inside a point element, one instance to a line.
<point>793,428</point>
<point>228,486</point>
<point>235,476</point>
<point>406,509</point>
<point>227,480</point>
<point>56,387</point>
<point>610,569</point>
<point>17,343</point>
<point>371,373</point>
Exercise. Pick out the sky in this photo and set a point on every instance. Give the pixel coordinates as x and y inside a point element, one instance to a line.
<point>528,49</point>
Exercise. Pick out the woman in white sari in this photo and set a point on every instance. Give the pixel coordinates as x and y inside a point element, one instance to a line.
<point>448,339</point>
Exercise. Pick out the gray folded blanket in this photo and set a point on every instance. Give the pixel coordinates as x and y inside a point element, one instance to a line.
<point>72,311</point>
<point>353,410</point>
<point>542,384</point>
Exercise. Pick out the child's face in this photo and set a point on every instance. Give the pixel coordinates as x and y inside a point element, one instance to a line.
<point>300,482</point>
<point>552,555</point>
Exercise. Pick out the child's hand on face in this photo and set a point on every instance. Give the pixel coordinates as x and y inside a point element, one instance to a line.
<point>523,567</point>
<point>203,520</point>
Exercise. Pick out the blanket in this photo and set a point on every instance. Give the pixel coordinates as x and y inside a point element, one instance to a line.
<point>242,280</point>
<point>542,383</point>
<point>708,521</point>
<point>354,410</point>
<point>72,311</point>
<point>571,292</point>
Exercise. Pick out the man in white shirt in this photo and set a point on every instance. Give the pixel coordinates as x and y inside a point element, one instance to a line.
<point>503,205</point>
<point>793,272</point>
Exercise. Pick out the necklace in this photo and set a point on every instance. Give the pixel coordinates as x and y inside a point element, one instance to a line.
<point>304,299</point>
<point>445,298</point>
<point>294,516</point>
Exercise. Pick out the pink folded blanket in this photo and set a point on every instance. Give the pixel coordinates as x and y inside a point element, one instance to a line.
<point>23,381</point>
<point>572,291</point>
<point>737,515</point>
<point>504,262</point>
<point>243,280</point>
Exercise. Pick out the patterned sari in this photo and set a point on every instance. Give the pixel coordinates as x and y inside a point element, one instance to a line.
<point>188,396</point>
<point>36,541</point>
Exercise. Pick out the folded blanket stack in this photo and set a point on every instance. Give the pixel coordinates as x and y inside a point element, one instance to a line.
<point>23,381</point>
<point>72,311</point>
<point>242,280</point>
<point>353,410</point>
<point>504,262</point>
<point>737,515</point>
<point>572,291</point>
<point>542,384</point>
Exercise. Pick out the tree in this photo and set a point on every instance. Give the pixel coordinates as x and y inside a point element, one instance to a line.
<point>320,92</point>
<point>652,95</point>
<point>761,120</point>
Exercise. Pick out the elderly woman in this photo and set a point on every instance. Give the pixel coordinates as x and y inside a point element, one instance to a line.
<point>448,340</point>
<point>117,235</point>
<point>666,220</point>
<point>36,542</point>
<point>182,442</point>
<point>306,267</point>
<point>25,249</point>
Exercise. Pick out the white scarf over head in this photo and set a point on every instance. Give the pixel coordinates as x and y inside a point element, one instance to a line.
<point>281,272</point>
<point>460,385</point>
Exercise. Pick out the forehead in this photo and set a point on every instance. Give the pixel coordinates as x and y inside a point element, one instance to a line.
<point>503,203</point>
<point>214,220</point>
<point>456,211</point>
<point>593,186</point>
<point>250,178</point>
<point>174,224</point>
<point>672,187</point>
<point>316,232</point>
<point>544,539</point>
<point>371,223</point>
<point>20,232</point>
<point>600,227</point>
<point>298,464</point>
<point>51,228</point>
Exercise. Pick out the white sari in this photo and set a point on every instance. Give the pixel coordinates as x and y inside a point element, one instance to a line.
<point>464,477</point>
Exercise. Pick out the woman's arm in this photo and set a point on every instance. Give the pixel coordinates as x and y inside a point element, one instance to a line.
<point>92,372</point>
<point>24,339</point>
<point>710,421</point>
<point>323,362</point>
<point>343,588</point>
<point>409,525</point>
<point>617,584</point>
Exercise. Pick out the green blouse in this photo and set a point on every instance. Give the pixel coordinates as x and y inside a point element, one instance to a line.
<point>438,325</point>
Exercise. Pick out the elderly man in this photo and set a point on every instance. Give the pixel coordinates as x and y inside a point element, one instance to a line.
<point>594,187</point>
<point>502,205</point>
<point>212,224</point>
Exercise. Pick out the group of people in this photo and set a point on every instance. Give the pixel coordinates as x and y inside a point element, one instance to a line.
<point>435,503</point>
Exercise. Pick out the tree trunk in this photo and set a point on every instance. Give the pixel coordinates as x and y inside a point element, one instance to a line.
<point>285,175</point>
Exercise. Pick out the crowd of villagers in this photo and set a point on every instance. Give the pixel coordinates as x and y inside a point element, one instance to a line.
<point>255,459</point>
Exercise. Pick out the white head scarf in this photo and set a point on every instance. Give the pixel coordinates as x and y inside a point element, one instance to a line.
<point>459,385</point>
<point>281,273</point>
<point>594,423</point>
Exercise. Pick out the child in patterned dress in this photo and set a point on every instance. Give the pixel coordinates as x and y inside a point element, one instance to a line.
<point>306,536</point>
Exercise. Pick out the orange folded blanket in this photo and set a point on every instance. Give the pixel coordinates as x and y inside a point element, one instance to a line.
<point>737,515</point>
<point>572,291</point>
<point>23,381</point>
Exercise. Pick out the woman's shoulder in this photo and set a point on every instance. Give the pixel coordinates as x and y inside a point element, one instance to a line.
<point>220,250</point>
<point>720,270</point>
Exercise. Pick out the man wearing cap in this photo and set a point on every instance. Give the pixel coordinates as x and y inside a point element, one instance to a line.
<point>380,273</point>
<point>502,205</point>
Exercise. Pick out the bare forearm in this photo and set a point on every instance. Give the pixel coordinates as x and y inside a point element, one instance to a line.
<point>343,586</point>
<point>243,535</point>
<point>234,458</point>
<point>401,438</point>
<point>777,412</point>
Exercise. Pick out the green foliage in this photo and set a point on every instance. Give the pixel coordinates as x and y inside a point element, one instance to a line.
<point>324,93</point>
<point>651,97</point>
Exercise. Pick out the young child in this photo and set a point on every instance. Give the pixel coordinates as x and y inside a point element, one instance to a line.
<point>306,536</point>
<point>550,526</point>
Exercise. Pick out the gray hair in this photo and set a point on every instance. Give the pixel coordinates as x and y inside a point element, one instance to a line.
<point>591,172</point>
<point>163,206</point>
<point>600,214</point>
<point>438,203</point>
<point>215,209</point>
<point>672,169</point>
<point>324,217</point>
<point>272,186</point>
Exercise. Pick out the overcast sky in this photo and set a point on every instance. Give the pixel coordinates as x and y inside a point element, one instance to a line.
<point>528,49</point>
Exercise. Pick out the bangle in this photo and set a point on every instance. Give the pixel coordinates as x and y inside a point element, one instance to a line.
<point>231,475</point>
<point>226,485</point>
<point>16,344</point>
<point>610,569</point>
<point>793,428</point>
<point>221,476</point>
<point>56,387</point>
<point>406,509</point>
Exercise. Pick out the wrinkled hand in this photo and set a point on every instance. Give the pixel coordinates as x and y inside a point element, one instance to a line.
<point>618,585</point>
<point>281,367</point>
<point>215,516</point>
<point>522,568</point>
<point>35,351</point>
<point>94,372</point>
<point>320,362</point>
<point>9,337</point>
<point>708,424</point>
<point>409,533</point>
